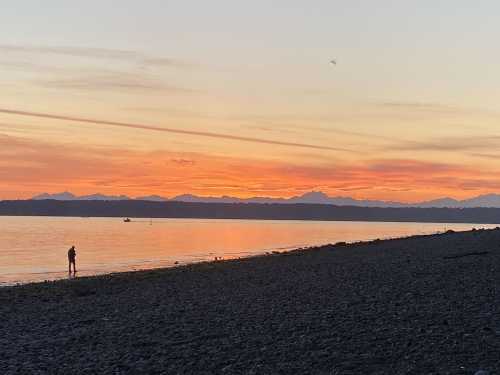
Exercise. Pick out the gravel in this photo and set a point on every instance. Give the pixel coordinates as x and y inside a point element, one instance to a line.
<point>403,306</point>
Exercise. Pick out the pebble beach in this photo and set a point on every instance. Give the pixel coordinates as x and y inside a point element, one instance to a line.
<point>416,305</point>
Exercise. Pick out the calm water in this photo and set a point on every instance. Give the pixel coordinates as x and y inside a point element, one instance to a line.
<point>35,248</point>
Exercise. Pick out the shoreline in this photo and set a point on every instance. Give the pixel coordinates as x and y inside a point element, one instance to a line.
<point>263,253</point>
<point>271,211</point>
<point>421,304</point>
<point>496,221</point>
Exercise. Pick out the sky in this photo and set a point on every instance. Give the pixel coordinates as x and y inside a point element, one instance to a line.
<point>240,98</point>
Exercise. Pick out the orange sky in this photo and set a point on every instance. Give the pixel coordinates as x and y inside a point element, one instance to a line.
<point>29,167</point>
<point>219,107</point>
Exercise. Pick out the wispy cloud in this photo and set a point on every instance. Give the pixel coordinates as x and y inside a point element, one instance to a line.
<point>485,155</point>
<point>183,162</point>
<point>420,106</point>
<point>168,62</point>
<point>98,53</point>
<point>170,130</point>
<point>125,71</point>
<point>434,108</point>
<point>32,166</point>
<point>112,81</point>
<point>278,123</point>
<point>70,51</point>
<point>471,143</point>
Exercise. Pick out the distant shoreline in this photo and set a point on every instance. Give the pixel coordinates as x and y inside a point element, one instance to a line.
<point>258,211</point>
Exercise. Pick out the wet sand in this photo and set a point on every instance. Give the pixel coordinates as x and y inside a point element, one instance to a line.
<point>420,305</point>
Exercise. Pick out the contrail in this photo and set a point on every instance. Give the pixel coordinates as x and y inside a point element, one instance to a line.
<point>168,130</point>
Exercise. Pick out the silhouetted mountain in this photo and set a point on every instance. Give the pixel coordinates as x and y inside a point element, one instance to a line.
<point>225,199</point>
<point>314,197</point>
<point>488,200</point>
<point>195,199</point>
<point>152,198</point>
<point>443,202</point>
<point>101,197</point>
<point>66,196</point>
<point>317,197</point>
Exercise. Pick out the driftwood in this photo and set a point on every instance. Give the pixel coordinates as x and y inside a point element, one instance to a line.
<point>466,255</point>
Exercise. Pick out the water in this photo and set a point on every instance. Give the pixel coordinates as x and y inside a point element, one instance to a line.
<point>35,248</point>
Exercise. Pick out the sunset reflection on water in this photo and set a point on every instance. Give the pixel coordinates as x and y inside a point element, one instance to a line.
<point>35,248</point>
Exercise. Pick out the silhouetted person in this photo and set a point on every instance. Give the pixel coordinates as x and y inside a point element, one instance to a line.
<point>72,259</point>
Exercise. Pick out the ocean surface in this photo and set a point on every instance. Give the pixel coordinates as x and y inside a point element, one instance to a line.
<point>35,248</point>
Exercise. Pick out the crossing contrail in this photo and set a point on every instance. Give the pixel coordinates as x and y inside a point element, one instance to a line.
<point>168,130</point>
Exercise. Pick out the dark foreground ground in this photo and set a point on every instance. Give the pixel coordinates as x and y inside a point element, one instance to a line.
<point>423,305</point>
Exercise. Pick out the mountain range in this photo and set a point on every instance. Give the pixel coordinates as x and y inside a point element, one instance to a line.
<point>315,197</point>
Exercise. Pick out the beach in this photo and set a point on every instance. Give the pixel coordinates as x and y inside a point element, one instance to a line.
<point>418,305</point>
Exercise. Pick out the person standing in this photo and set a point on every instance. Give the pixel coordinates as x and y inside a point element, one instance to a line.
<point>72,259</point>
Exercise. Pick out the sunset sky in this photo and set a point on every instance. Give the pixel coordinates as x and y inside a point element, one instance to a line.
<point>240,98</point>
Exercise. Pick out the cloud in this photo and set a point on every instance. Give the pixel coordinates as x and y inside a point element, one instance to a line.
<point>451,144</point>
<point>282,124</point>
<point>24,160</point>
<point>411,167</point>
<point>29,166</point>
<point>184,162</point>
<point>98,53</point>
<point>170,130</point>
<point>485,155</point>
<point>396,179</point>
<point>131,71</point>
<point>71,51</point>
<point>112,81</point>
<point>435,108</point>
<point>379,172</point>
<point>167,62</point>
<point>420,106</point>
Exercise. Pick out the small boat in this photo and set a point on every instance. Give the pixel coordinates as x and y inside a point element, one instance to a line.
<point>127,220</point>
